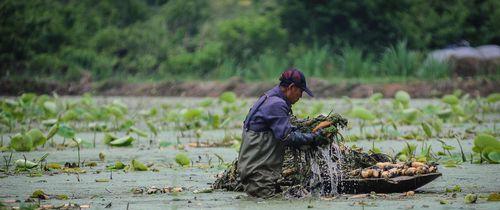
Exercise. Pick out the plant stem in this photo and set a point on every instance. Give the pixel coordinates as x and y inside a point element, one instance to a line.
<point>461,151</point>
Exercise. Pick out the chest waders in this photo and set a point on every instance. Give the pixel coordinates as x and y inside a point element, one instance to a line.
<point>260,159</point>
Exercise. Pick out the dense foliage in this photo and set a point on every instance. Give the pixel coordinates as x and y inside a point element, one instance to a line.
<point>179,39</point>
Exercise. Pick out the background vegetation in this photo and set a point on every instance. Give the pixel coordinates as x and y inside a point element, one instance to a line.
<point>195,39</point>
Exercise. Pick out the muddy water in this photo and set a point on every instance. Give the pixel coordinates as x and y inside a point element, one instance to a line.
<point>83,189</point>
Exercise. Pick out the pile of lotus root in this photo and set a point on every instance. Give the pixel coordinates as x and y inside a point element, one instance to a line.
<point>390,170</point>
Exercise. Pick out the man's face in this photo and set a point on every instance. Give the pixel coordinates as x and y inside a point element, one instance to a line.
<point>294,93</point>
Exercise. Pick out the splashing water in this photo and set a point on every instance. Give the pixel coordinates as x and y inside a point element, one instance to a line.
<point>326,173</point>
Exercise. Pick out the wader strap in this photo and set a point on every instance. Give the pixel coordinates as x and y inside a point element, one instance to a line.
<point>252,111</point>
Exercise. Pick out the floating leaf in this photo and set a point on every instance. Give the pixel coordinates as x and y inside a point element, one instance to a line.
<point>37,137</point>
<point>21,163</point>
<point>108,137</point>
<point>39,194</point>
<point>450,99</point>
<point>470,198</point>
<point>21,143</point>
<point>119,165</point>
<point>102,180</point>
<point>228,97</point>
<point>121,142</point>
<point>362,113</point>
<point>62,197</point>
<point>455,188</point>
<point>138,166</point>
<point>182,159</point>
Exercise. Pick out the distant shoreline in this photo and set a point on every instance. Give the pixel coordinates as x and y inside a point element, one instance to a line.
<point>321,88</point>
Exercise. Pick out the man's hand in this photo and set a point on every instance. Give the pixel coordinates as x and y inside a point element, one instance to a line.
<point>321,125</point>
<point>320,138</point>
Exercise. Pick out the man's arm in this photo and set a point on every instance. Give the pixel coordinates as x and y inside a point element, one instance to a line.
<point>279,122</point>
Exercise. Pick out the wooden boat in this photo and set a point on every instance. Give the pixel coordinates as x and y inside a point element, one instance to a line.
<point>382,185</point>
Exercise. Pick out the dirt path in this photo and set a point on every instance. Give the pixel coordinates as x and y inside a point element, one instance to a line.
<point>322,88</point>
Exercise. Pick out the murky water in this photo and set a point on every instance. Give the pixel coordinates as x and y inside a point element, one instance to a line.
<point>481,179</point>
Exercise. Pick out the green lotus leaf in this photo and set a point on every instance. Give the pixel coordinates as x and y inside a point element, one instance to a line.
<point>66,131</point>
<point>485,140</point>
<point>37,137</point>
<point>362,113</point>
<point>121,142</point>
<point>21,143</point>
<point>402,97</point>
<point>22,163</point>
<point>493,98</point>
<point>228,97</point>
<point>410,115</point>
<point>108,137</point>
<point>458,110</point>
<point>119,165</point>
<point>138,166</point>
<point>192,114</point>
<point>182,159</point>
<point>444,114</point>
<point>450,99</point>
<point>376,97</point>
<point>494,156</point>
<point>50,107</point>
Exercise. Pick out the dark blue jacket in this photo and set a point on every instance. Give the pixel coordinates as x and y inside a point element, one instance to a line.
<point>271,112</point>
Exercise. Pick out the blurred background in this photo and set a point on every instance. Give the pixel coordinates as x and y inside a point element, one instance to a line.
<point>99,44</point>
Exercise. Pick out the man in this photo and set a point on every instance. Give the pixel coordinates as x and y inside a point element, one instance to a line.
<point>266,132</point>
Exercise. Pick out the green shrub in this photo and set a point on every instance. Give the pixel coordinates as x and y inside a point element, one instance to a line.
<point>244,37</point>
<point>45,64</point>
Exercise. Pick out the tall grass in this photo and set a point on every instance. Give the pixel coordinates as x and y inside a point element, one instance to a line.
<point>355,65</point>
<point>399,61</point>
<point>316,62</point>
